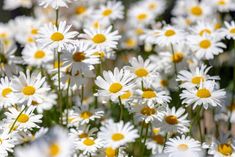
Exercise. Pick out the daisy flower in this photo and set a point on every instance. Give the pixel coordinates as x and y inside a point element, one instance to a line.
<point>48,101</point>
<point>114,84</point>
<point>229,31</point>
<point>56,4</point>
<point>5,93</point>
<point>56,38</point>
<point>193,78</point>
<point>207,95</point>
<point>89,145</point>
<point>29,87</point>
<point>174,120</point>
<point>117,134</point>
<point>169,35</point>
<point>80,57</point>
<point>223,5</point>
<point>27,119</point>
<point>206,47</point>
<point>112,10</point>
<point>156,144</point>
<point>13,4</point>
<point>142,70</point>
<point>35,56</point>
<point>155,6</point>
<point>7,142</point>
<point>183,146</point>
<point>101,39</point>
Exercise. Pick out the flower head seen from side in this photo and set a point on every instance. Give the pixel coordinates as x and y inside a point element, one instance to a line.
<point>56,38</point>
<point>229,31</point>
<point>114,84</point>
<point>183,146</point>
<point>7,142</point>
<point>101,38</point>
<point>6,92</point>
<point>117,134</point>
<point>56,4</point>
<point>207,94</point>
<point>29,87</point>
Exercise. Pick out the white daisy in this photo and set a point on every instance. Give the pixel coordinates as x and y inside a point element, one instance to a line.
<point>7,142</point>
<point>5,93</point>
<point>114,84</point>
<point>56,38</point>
<point>13,4</point>
<point>117,134</point>
<point>183,146</point>
<point>207,95</point>
<point>229,31</point>
<point>56,4</point>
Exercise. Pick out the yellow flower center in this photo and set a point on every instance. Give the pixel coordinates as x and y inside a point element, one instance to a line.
<point>6,91</point>
<point>141,72</point>
<point>203,93</point>
<point>126,95</point>
<point>205,44</point>
<point>115,87</point>
<point>3,35</point>
<point>100,54</point>
<point>28,90</point>
<point>169,33</point>
<point>107,12</point>
<point>232,31</point>
<point>83,135</point>
<point>56,64</point>
<point>148,94</point>
<point>89,142</point>
<point>110,152</point>
<point>79,56</point>
<point>177,57</point>
<point>23,118</point>
<point>139,31</point>
<point>152,6</point>
<point>147,111</point>
<point>130,42</point>
<point>54,149</point>
<point>217,26</point>
<point>34,31</point>
<point>196,11</point>
<point>159,139</point>
<point>117,137</point>
<point>183,147</point>
<point>171,119</point>
<point>34,103</point>
<point>197,79</point>
<point>225,149</point>
<point>164,83</point>
<point>80,10</point>
<point>99,38</point>
<point>221,2</point>
<point>57,36</point>
<point>85,115</point>
<point>204,31</point>
<point>30,40</point>
<point>39,54</point>
<point>142,16</point>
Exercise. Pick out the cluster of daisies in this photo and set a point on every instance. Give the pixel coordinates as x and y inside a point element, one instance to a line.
<point>97,79</point>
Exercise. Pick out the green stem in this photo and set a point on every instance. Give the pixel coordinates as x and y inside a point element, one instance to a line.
<point>67,104</point>
<point>59,88</point>
<point>57,18</point>
<point>145,137</point>
<point>121,108</point>
<point>82,94</point>
<point>12,127</point>
<point>173,54</point>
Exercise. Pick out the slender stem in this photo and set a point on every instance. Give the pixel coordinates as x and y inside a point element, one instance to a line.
<point>145,137</point>
<point>121,108</point>
<point>67,103</point>
<point>59,88</point>
<point>12,127</point>
<point>142,84</point>
<point>173,54</point>
<point>57,18</point>
<point>82,94</point>
<point>200,130</point>
<point>165,140</point>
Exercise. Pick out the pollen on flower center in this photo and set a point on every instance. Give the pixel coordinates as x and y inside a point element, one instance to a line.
<point>177,57</point>
<point>34,31</point>
<point>23,118</point>
<point>169,33</point>
<point>146,110</point>
<point>89,142</point>
<point>80,10</point>
<point>79,56</point>
<point>221,2</point>
<point>152,6</point>
<point>107,12</point>
<point>99,38</point>
<point>54,149</point>
<point>6,91</point>
<point>39,54</point>
<point>225,149</point>
<point>205,44</point>
<point>183,147</point>
<point>57,36</point>
<point>232,31</point>
<point>85,115</point>
<point>197,79</point>
<point>126,95</point>
<point>171,119</point>
<point>148,94</point>
<point>110,152</point>
<point>117,136</point>
<point>203,93</point>
<point>204,31</point>
<point>196,10</point>
<point>115,87</point>
<point>83,135</point>
<point>141,72</point>
<point>159,139</point>
<point>28,90</point>
<point>164,83</point>
<point>142,16</point>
